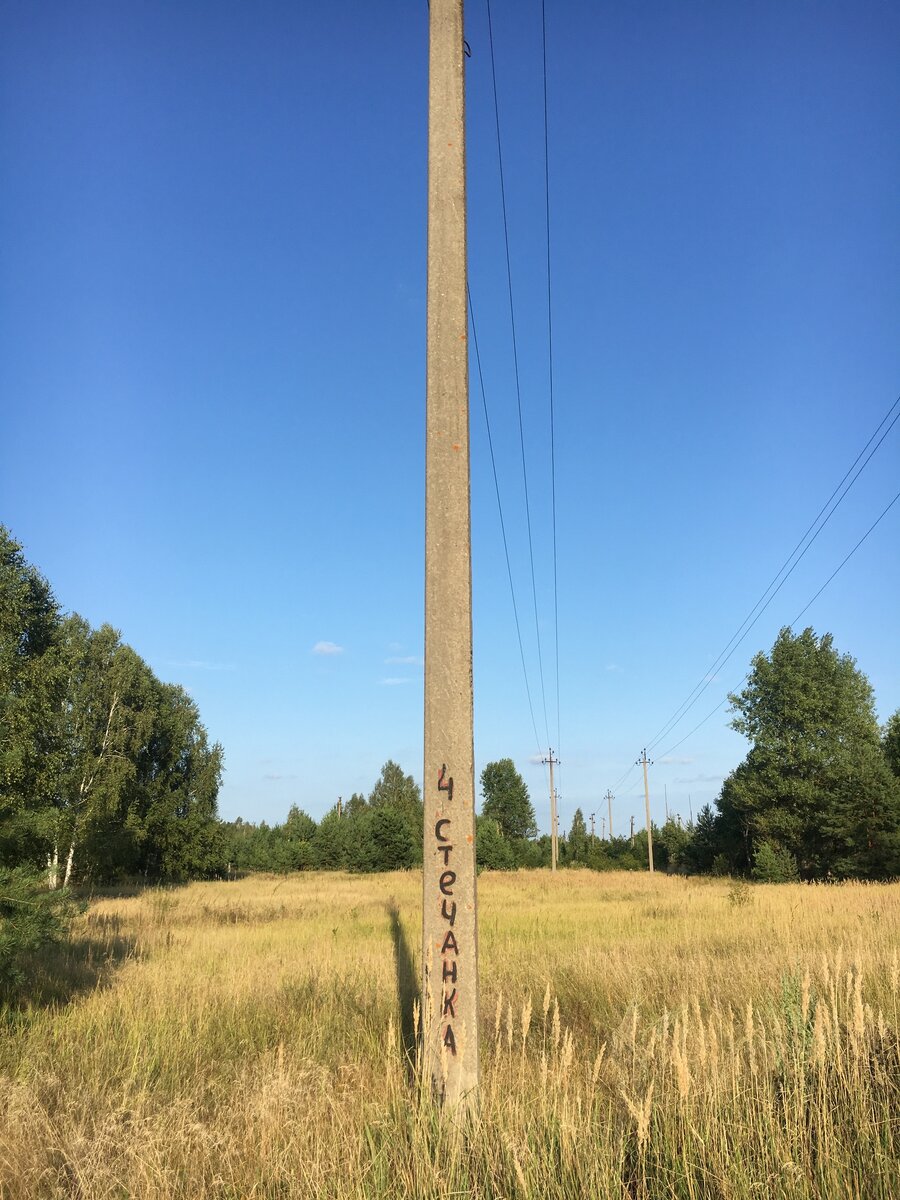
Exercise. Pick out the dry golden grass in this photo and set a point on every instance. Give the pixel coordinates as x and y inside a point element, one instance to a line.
<point>641,1038</point>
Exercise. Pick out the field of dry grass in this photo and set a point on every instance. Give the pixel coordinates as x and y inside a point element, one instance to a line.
<point>641,1038</point>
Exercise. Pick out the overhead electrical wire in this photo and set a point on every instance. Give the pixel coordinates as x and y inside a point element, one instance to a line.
<point>783,574</point>
<point>537,628</point>
<point>701,687</point>
<point>512,589</point>
<point>838,568</point>
<point>550,368</point>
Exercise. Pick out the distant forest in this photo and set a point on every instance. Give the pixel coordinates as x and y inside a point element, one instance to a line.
<point>107,774</point>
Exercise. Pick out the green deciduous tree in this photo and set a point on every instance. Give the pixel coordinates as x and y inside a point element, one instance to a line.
<point>29,620</point>
<point>506,800</point>
<point>815,783</point>
<point>104,770</point>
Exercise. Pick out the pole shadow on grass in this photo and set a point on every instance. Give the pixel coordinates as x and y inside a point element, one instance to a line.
<point>409,993</point>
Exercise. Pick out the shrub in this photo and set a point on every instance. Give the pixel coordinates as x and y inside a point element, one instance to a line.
<point>774,864</point>
<point>30,917</point>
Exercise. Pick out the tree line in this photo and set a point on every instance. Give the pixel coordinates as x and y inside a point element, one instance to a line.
<point>105,771</point>
<point>817,796</point>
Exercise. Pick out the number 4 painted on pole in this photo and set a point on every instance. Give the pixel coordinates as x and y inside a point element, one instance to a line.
<point>448,786</point>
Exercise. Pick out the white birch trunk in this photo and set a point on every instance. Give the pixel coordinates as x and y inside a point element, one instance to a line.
<point>53,868</point>
<point>70,859</point>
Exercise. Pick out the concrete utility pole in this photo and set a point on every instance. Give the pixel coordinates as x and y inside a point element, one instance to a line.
<point>632,829</point>
<point>609,800</point>
<point>666,799</point>
<point>554,834</point>
<point>339,805</point>
<point>592,828</point>
<point>603,829</point>
<point>645,761</point>
<point>449,925</point>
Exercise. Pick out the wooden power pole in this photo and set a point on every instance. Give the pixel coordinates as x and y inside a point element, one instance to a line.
<point>645,762</point>
<point>449,924</point>
<point>554,832</point>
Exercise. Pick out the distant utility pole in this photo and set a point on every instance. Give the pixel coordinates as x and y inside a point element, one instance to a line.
<point>603,829</point>
<point>449,918</point>
<point>632,829</point>
<point>554,839</point>
<point>340,798</point>
<point>666,799</point>
<point>690,809</point>
<point>645,762</point>
<point>609,800</point>
<point>592,828</point>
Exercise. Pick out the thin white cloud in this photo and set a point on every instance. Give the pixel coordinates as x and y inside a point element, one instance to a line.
<point>613,667</point>
<point>676,760</point>
<point>405,660</point>
<point>273,777</point>
<point>394,682</point>
<point>701,779</point>
<point>327,648</point>
<point>536,760</point>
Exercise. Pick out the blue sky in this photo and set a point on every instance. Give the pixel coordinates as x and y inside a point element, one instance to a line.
<point>212,364</point>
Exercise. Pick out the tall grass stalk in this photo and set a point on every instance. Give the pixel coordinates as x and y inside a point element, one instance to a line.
<point>643,1038</point>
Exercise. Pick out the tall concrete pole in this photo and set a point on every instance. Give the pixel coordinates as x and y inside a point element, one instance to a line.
<point>449,926</point>
<point>645,761</point>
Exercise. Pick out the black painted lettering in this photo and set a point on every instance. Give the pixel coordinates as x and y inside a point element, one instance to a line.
<point>450,1040</point>
<point>449,1002</point>
<point>444,784</point>
<point>441,837</point>
<point>451,915</point>
<point>446,882</point>
<point>449,970</point>
<point>450,943</point>
<point>445,850</point>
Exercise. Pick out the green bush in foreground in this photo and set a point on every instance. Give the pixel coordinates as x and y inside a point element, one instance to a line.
<point>30,917</point>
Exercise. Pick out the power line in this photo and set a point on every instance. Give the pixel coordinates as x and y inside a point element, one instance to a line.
<point>512,590</point>
<point>550,364</point>
<point>782,575</point>
<point>838,568</point>
<point>512,318</point>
